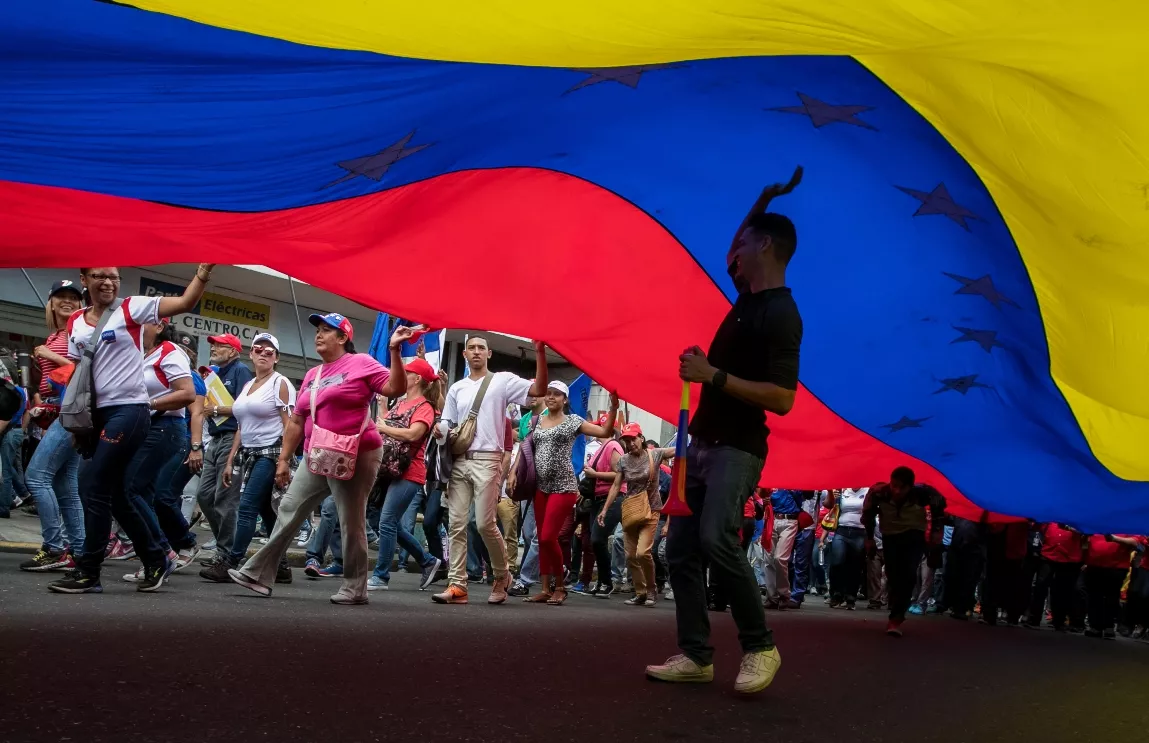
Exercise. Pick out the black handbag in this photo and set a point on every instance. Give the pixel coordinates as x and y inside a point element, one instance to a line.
<point>585,502</point>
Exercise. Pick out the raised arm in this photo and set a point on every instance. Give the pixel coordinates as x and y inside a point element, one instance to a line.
<point>539,388</point>
<point>177,305</point>
<point>766,197</point>
<point>397,383</point>
<point>602,432</point>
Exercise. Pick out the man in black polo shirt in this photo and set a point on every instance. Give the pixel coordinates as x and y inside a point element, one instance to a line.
<point>752,368</point>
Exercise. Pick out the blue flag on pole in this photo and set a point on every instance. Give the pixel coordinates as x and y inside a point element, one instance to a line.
<point>380,339</point>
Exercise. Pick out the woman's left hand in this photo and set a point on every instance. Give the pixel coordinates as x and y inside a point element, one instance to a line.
<point>401,335</point>
<point>194,462</point>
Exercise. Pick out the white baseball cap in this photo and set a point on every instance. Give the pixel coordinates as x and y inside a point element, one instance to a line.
<point>267,338</point>
<point>560,386</point>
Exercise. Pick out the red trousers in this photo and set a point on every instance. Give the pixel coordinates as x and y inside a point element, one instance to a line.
<point>552,512</point>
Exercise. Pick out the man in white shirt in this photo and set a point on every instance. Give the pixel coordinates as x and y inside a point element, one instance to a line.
<point>477,475</point>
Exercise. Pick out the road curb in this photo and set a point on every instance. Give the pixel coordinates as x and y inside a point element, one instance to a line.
<point>295,557</point>
<point>19,547</point>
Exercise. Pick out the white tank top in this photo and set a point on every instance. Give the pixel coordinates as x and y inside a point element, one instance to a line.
<point>850,507</point>
<point>258,413</point>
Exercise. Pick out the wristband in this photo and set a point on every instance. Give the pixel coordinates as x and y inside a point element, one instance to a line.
<point>719,380</point>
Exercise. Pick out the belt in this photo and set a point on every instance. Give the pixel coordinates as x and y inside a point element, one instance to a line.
<point>483,455</point>
<point>786,516</point>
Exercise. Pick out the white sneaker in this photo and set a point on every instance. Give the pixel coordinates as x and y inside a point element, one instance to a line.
<point>668,595</point>
<point>757,671</point>
<point>375,583</point>
<point>135,577</point>
<point>681,670</point>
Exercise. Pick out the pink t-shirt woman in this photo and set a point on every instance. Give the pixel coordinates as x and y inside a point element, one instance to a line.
<point>345,391</point>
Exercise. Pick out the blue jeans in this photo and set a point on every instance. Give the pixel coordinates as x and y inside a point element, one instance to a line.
<point>719,479</point>
<point>410,516</point>
<point>53,481</point>
<point>152,464</point>
<point>800,564</point>
<point>122,430</point>
<point>327,534</point>
<point>12,463</point>
<point>529,572</point>
<point>400,495</point>
<point>255,501</point>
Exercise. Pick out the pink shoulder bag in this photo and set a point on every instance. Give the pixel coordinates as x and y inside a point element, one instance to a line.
<point>332,454</point>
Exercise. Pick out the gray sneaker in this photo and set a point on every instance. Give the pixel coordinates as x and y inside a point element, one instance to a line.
<point>681,670</point>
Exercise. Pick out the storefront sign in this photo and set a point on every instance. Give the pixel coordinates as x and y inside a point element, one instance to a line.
<point>199,325</point>
<point>157,288</point>
<point>223,307</point>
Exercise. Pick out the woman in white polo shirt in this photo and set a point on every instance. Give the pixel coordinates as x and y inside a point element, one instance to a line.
<point>261,409</point>
<point>168,378</point>
<point>122,417</point>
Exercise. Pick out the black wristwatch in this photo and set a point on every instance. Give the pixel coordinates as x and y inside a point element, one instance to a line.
<point>719,380</point>
<point>197,447</point>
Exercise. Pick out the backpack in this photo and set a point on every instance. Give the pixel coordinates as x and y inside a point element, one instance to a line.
<point>79,404</point>
<point>397,455</point>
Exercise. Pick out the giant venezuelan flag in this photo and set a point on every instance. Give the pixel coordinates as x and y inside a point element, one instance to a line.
<point>972,267</point>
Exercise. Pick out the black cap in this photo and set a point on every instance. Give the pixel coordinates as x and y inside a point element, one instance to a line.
<point>65,284</point>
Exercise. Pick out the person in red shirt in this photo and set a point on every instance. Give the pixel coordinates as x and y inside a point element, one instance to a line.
<point>1006,547</point>
<point>405,430</point>
<point>1062,554</point>
<point>1107,562</point>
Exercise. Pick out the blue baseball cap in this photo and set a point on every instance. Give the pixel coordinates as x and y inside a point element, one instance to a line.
<point>335,320</point>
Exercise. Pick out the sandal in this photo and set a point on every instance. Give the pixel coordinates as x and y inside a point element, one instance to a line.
<point>558,597</point>
<point>542,598</point>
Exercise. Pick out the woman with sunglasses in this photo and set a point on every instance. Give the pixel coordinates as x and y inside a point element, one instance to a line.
<point>122,419</point>
<point>51,475</point>
<point>261,409</point>
<point>336,398</point>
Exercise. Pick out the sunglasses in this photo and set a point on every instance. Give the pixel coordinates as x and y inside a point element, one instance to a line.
<point>263,350</point>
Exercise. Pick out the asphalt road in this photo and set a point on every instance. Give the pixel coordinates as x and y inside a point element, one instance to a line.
<point>205,662</point>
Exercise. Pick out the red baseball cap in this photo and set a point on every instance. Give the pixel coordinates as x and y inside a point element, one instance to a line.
<point>631,430</point>
<point>422,368</point>
<point>227,339</point>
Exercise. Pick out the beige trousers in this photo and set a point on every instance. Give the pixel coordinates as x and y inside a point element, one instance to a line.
<point>303,496</point>
<point>638,542</point>
<point>477,481</point>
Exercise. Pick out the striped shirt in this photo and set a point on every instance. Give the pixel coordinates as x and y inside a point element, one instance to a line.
<point>57,343</point>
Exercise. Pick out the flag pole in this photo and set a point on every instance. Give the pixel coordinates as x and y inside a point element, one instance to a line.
<point>34,289</point>
<point>298,324</point>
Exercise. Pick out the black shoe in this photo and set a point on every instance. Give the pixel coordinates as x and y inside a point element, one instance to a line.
<point>282,573</point>
<point>851,605</point>
<point>792,604</point>
<point>429,574</point>
<point>43,561</point>
<point>603,590</point>
<point>216,572</point>
<point>154,577</point>
<point>76,581</point>
<point>518,589</point>
<point>474,579</point>
<point>1109,634</point>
